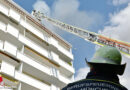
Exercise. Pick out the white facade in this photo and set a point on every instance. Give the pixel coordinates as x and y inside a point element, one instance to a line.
<point>31,56</point>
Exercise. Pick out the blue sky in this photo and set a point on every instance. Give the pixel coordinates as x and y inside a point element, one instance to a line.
<point>110,17</point>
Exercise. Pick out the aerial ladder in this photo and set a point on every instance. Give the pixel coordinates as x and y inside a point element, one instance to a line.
<point>92,37</point>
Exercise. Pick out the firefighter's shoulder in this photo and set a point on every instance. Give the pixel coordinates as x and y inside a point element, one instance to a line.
<point>94,84</point>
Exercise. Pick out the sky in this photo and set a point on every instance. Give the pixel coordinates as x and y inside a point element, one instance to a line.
<point>107,17</point>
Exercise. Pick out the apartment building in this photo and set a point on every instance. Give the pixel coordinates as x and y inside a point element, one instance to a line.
<point>31,56</point>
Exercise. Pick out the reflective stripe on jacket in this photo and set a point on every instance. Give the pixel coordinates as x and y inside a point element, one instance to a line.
<point>94,84</point>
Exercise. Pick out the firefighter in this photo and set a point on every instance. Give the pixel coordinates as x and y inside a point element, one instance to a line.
<point>105,67</point>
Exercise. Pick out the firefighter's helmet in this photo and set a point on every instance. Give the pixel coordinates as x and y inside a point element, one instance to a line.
<point>108,56</point>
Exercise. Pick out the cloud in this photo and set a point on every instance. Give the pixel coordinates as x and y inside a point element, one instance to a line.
<point>126,77</point>
<point>81,73</point>
<point>120,2</point>
<point>42,7</point>
<point>68,11</point>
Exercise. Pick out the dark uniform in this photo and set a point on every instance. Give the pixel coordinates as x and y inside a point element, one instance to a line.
<point>97,81</point>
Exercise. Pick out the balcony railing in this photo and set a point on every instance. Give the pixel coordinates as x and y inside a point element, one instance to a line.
<point>60,48</point>
<point>32,29</point>
<point>64,79</point>
<point>54,57</point>
<point>56,73</point>
<point>1,45</point>
<point>31,81</point>
<point>10,48</point>
<point>14,15</point>
<point>7,68</point>
<point>33,63</point>
<point>64,51</point>
<point>33,45</point>
<point>12,30</point>
<point>60,62</point>
<point>67,66</point>
<point>2,26</point>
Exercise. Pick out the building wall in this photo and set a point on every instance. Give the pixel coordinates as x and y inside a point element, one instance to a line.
<point>31,57</point>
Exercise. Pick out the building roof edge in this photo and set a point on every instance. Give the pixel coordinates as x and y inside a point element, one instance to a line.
<point>28,15</point>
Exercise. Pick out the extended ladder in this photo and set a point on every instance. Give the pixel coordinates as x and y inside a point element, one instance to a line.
<point>95,38</point>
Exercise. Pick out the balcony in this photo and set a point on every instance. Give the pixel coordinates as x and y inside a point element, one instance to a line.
<point>10,48</point>
<point>10,77</point>
<point>62,63</point>
<point>51,55</point>
<point>53,42</point>
<point>54,72</point>
<point>54,58</point>
<point>25,86</point>
<point>4,10</point>
<point>31,62</point>
<point>66,67</point>
<point>1,45</point>
<point>67,53</point>
<point>42,72</point>
<point>12,30</point>
<point>31,81</point>
<point>33,30</point>
<point>14,15</point>
<point>7,72</point>
<point>7,68</point>
<point>2,26</point>
<point>33,45</point>
<point>58,78</point>
<point>64,79</point>
<point>35,68</point>
<point>64,52</point>
<point>50,40</point>
<point>6,53</point>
